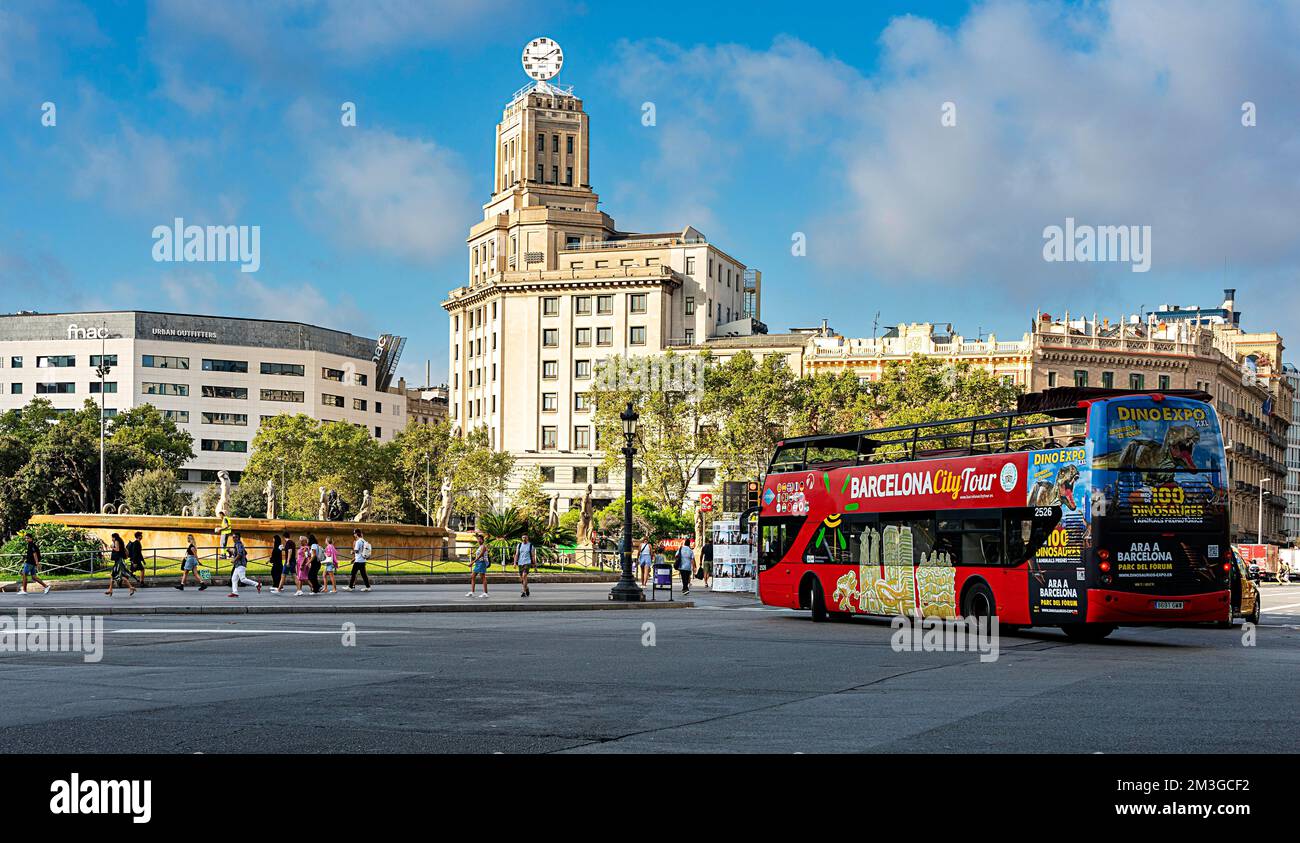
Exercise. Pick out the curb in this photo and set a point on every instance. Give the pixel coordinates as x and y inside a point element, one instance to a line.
<point>373,609</point>
<point>381,579</point>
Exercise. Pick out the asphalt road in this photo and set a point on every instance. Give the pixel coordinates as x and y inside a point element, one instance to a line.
<point>725,676</point>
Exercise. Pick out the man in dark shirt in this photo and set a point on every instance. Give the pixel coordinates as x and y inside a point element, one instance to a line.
<point>135,554</point>
<point>31,564</point>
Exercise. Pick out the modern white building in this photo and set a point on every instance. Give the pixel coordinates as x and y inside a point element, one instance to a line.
<point>217,377</point>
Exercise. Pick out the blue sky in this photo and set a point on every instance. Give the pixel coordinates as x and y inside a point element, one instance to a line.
<point>772,119</point>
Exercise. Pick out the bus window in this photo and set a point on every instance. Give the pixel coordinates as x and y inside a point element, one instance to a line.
<point>776,537</point>
<point>898,533</point>
<point>1027,530</point>
<point>976,541</point>
<point>788,459</point>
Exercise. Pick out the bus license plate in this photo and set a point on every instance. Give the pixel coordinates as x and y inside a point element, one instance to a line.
<point>1169,604</point>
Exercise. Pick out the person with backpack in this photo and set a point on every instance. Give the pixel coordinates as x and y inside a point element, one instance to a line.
<point>118,555</point>
<point>686,564</point>
<point>331,565</point>
<point>361,551</point>
<point>135,553</point>
<point>32,565</point>
<point>191,563</point>
<point>316,556</point>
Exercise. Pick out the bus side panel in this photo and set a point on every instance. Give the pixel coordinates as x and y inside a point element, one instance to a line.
<point>1010,590</point>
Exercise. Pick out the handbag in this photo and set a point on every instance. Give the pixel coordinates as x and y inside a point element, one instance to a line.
<point>699,573</point>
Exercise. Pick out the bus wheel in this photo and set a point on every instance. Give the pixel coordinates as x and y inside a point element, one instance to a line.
<point>818,602</point>
<point>1087,632</point>
<point>978,602</point>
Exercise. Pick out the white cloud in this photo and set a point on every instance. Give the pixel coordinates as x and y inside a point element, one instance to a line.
<point>402,196</point>
<point>1121,113</point>
<point>132,171</point>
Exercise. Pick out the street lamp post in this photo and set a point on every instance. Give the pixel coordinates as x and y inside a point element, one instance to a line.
<point>626,589</point>
<point>102,370</point>
<point>1263,481</point>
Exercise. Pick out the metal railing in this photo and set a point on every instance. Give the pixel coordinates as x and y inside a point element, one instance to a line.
<point>387,561</point>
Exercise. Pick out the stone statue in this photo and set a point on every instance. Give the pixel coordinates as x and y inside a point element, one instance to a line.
<point>553,512</point>
<point>445,505</point>
<point>322,511</point>
<point>270,498</point>
<point>364,512</point>
<point>223,501</point>
<point>108,509</point>
<point>336,508</point>
<point>585,523</point>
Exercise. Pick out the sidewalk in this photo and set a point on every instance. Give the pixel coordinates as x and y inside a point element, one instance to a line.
<point>165,600</point>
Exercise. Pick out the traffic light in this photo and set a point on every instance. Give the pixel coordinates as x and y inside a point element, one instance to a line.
<point>753,494</point>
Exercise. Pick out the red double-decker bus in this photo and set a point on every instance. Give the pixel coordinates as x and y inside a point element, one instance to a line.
<point>1085,509</point>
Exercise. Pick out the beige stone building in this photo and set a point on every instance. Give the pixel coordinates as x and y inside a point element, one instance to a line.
<point>554,288</point>
<point>868,357</point>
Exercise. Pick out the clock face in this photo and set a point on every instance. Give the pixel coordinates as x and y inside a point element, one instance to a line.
<point>542,58</point>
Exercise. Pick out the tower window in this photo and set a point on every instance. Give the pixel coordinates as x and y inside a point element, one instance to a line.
<point>541,142</point>
<point>568,144</point>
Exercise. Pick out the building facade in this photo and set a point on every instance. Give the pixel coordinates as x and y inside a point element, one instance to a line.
<point>218,378</point>
<point>868,357</point>
<point>554,288</point>
<point>1292,517</point>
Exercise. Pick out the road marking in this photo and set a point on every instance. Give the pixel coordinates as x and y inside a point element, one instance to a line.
<point>257,631</point>
<point>1275,608</point>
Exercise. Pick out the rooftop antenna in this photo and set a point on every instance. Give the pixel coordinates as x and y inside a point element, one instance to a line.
<point>875,326</point>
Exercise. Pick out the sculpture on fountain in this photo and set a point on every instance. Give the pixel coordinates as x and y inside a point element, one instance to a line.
<point>223,500</point>
<point>364,512</point>
<point>270,498</point>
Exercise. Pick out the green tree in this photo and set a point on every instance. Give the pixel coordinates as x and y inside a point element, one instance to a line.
<point>670,445</point>
<point>830,402</point>
<point>531,498</point>
<point>748,407</point>
<point>421,461</point>
<point>154,492</point>
<point>477,473</point>
<point>147,437</point>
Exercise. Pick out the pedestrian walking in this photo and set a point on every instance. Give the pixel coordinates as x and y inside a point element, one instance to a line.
<point>331,565</point>
<point>135,555</point>
<point>191,563</point>
<point>361,551</point>
<point>239,576</point>
<point>31,565</point>
<point>300,568</point>
<point>524,559</point>
<point>117,553</point>
<point>290,560</point>
<point>315,558</point>
<point>645,561</point>
<point>479,566</point>
<point>277,563</point>
<point>706,563</point>
<point>686,564</point>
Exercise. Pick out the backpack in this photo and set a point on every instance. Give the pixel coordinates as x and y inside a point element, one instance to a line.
<point>365,550</point>
<point>319,553</point>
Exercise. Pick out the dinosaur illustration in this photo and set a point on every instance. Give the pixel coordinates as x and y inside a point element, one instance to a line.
<point>1160,459</point>
<point>1060,491</point>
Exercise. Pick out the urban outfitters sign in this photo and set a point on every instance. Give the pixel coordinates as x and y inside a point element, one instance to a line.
<point>184,334</point>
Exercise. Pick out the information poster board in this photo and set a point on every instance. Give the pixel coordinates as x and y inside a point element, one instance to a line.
<point>733,561</point>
